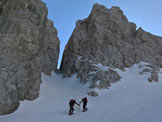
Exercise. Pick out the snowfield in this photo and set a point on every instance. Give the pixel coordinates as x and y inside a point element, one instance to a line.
<point>133,99</point>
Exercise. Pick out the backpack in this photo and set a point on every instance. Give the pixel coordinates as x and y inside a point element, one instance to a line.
<point>85,99</point>
<point>71,102</point>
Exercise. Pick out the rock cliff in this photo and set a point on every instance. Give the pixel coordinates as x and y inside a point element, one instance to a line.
<point>51,49</point>
<point>107,40</point>
<point>24,32</point>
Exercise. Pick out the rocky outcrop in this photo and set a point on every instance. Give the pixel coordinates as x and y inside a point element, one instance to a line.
<point>92,93</point>
<point>22,35</point>
<point>107,40</point>
<point>51,49</point>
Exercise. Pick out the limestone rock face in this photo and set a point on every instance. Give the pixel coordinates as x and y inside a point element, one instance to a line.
<point>106,38</point>
<point>51,49</point>
<point>22,36</point>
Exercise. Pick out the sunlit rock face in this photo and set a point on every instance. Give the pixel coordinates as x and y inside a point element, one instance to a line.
<point>105,41</point>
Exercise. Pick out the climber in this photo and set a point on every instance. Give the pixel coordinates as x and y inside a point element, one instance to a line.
<point>71,104</point>
<point>84,101</point>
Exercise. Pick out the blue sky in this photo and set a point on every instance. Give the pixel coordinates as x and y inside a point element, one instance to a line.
<point>145,13</point>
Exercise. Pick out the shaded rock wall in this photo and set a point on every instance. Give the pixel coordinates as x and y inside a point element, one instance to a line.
<point>22,35</point>
<point>51,49</point>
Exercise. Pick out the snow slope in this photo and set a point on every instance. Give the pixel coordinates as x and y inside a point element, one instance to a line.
<point>133,99</point>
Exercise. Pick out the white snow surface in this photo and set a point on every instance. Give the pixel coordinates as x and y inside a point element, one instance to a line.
<point>101,67</point>
<point>133,99</point>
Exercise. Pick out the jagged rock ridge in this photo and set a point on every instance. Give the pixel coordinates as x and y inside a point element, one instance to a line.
<point>23,38</point>
<point>107,39</point>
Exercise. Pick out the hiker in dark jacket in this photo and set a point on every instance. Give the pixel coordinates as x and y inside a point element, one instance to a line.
<point>84,101</point>
<point>71,104</point>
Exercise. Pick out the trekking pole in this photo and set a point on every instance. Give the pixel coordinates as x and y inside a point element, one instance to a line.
<point>79,108</point>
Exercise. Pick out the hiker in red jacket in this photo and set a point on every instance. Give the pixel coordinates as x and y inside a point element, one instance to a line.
<point>71,104</point>
<point>84,101</point>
